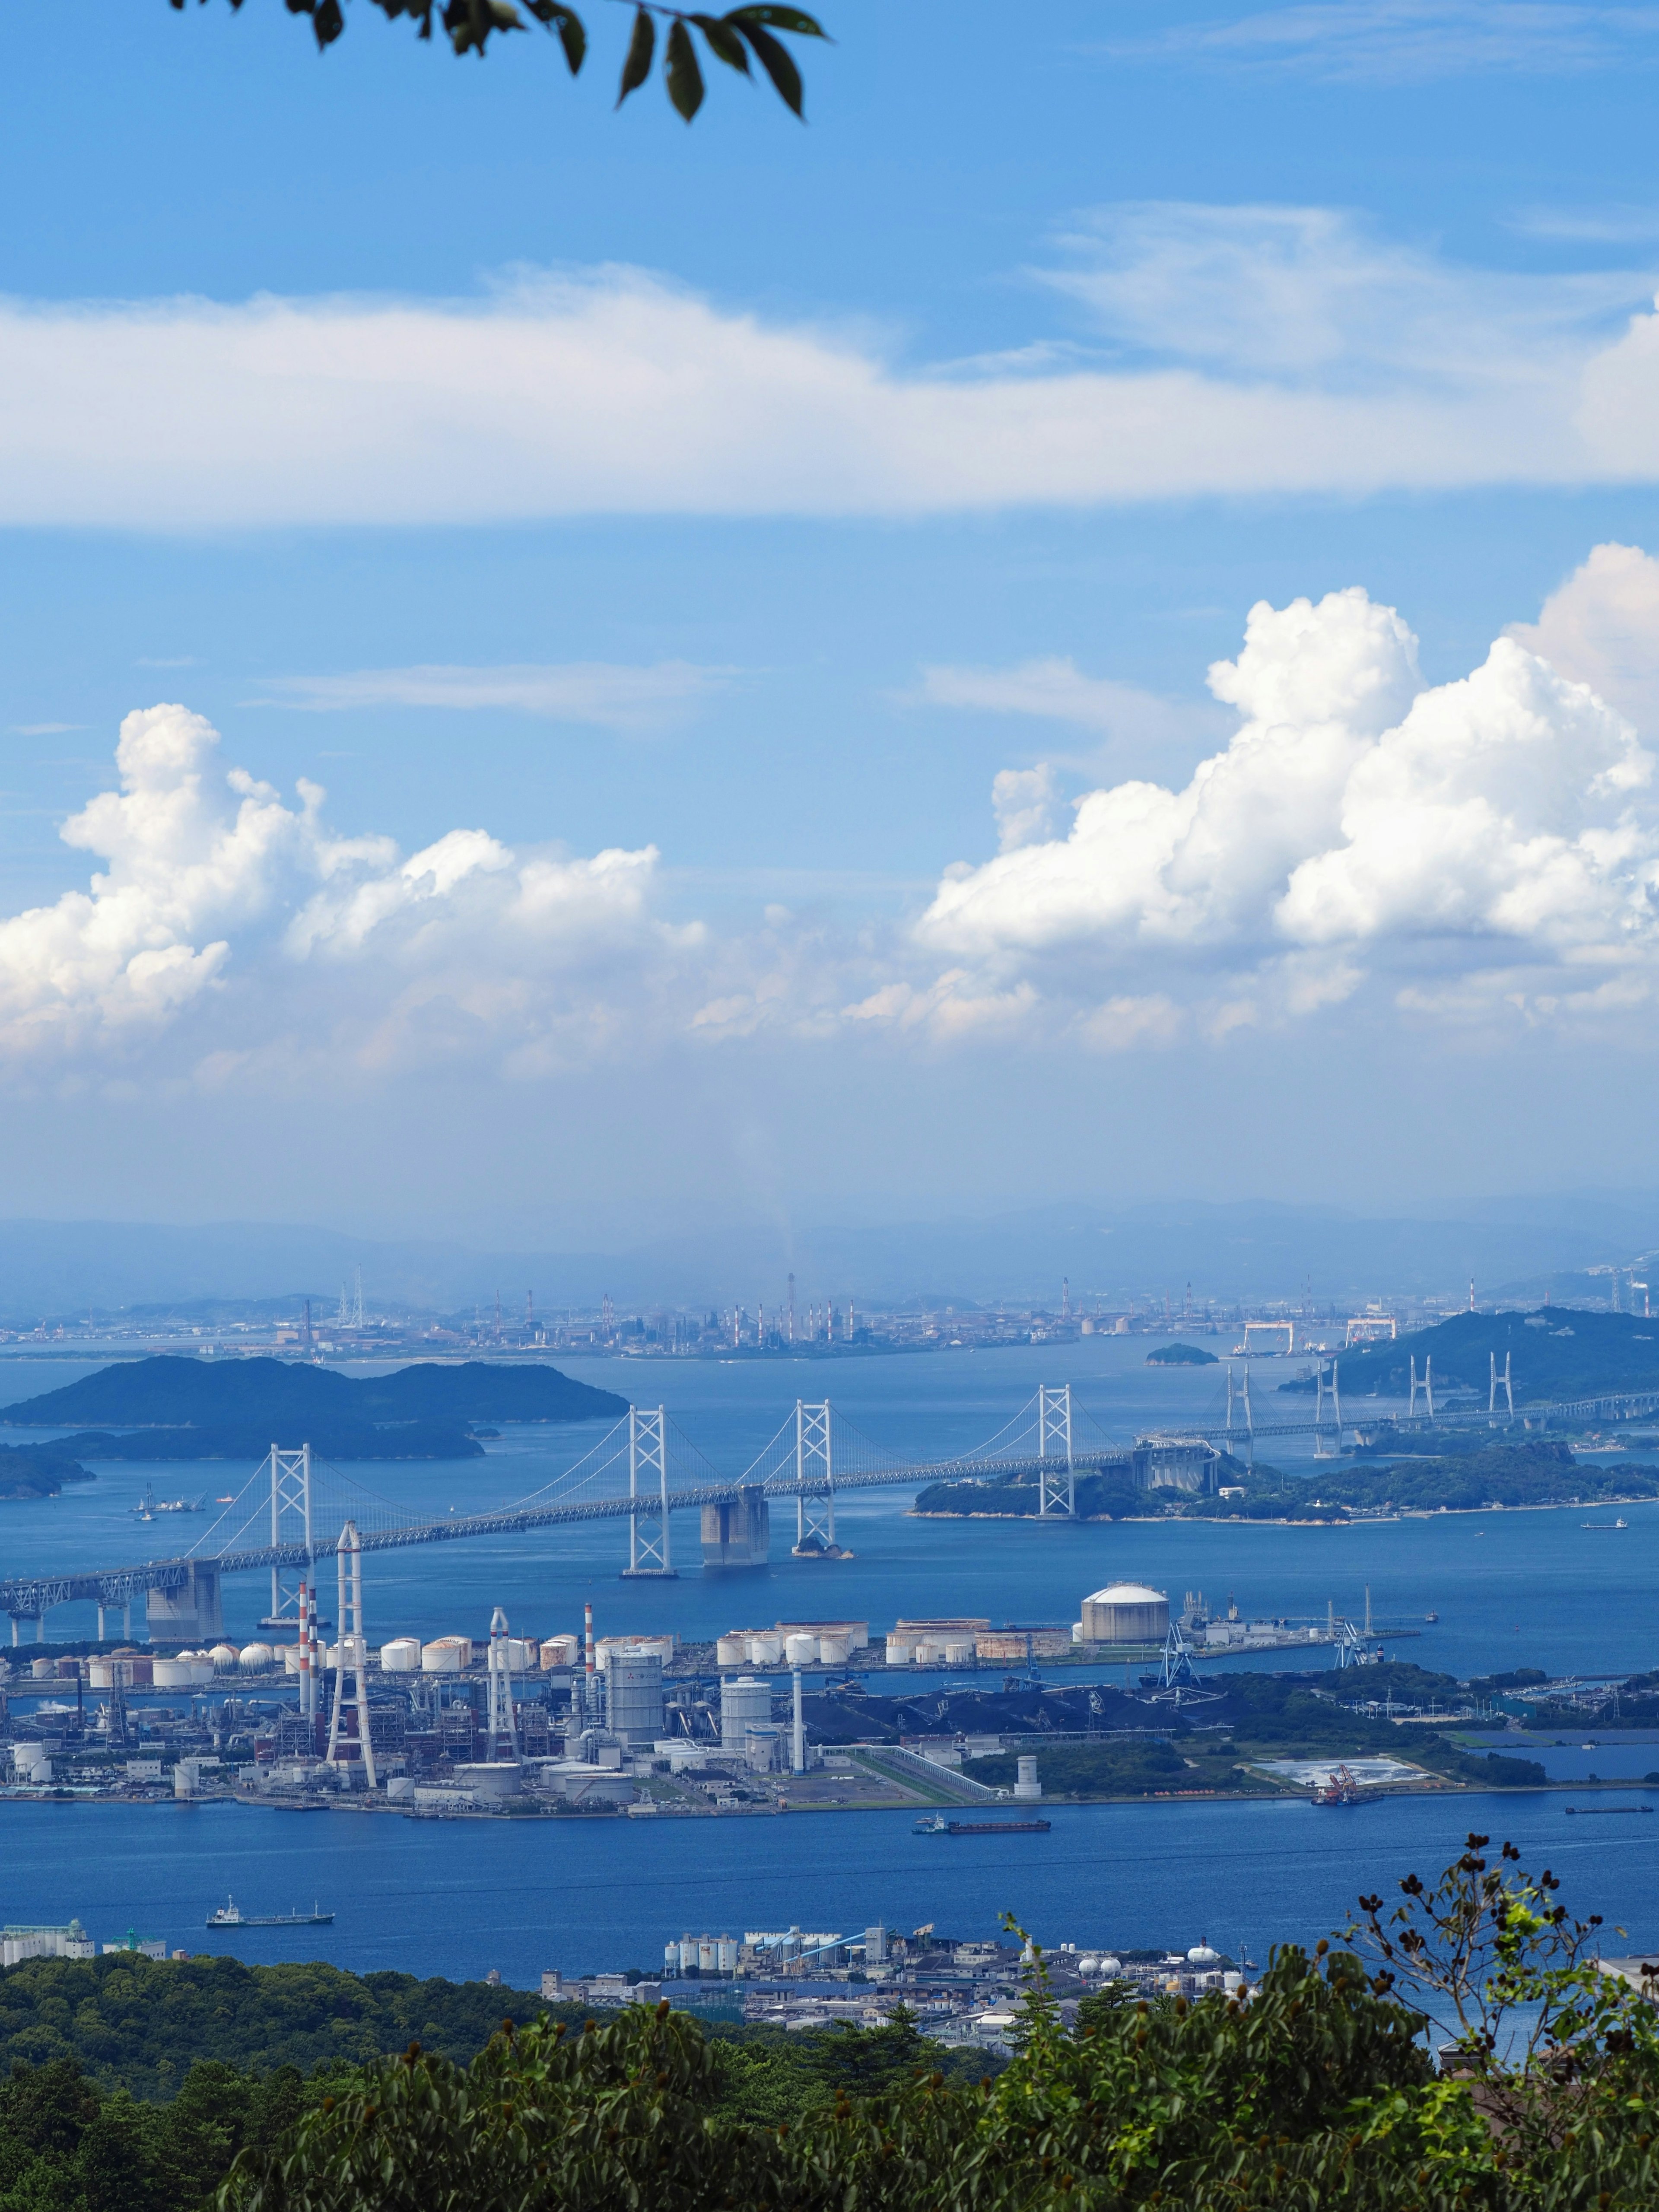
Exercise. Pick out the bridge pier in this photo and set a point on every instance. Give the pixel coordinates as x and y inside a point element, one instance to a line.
<point>191,1613</point>
<point>737,1532</point>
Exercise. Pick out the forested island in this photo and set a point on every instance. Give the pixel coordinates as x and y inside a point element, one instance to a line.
<point>1180,1355</point>
<point>1558,1352</point>
<point>173,1408</point>
<point>1540,1471</point>
<point>37,1471</point>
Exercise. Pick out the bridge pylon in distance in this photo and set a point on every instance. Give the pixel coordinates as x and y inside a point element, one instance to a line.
<point>351,1654</point>
<point>1056,1478</point>
<point>815,1485</point>
<point>650,1551</point>
<point>290,1523</point>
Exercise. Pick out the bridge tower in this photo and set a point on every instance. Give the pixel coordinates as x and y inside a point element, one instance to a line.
<point>1503,1380</point>
<point>815,1516</point>
<point>1056,1477</point>
<point>1426,1386</point>
<point>650,1555</point>
<point>290,1523</point>
<point>352,1652</point>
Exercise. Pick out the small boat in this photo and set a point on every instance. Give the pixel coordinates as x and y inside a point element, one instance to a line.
<point>1619,1523</point>
<point>1594,1812</point>
<point>1432,1616</point>
<point>231,1915</point>
<point>939,1826</point>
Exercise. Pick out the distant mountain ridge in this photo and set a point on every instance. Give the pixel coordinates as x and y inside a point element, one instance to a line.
<point>171,1393</point>
<point>1250,1249</point>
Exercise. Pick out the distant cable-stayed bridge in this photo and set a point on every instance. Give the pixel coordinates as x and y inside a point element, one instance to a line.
<point>289,1513</point>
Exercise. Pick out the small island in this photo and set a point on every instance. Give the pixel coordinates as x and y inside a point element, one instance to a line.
<point>172,1408</point>
<point>36,1471</point>
<point>1180,1355</point>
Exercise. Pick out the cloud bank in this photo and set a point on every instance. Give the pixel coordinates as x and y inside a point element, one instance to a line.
<point>1229,351</point>
<point>1484,851</point>
<point>1493,840</point>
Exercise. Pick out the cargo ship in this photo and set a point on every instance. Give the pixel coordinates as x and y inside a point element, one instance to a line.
<point>231,1915</point>
<point>939,1826</point>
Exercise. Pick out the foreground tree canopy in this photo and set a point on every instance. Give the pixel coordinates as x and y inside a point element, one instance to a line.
<point>731,39</point>
<point>1461,2050</point>
<point>1457,2050</point>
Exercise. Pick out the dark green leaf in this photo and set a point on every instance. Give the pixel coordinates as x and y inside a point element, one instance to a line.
<point>680,67</point>
<point>781,19</point>
<point>640,47</point>
<point>776,60</point>
<point>327,21</point>
<point>723,41</point>
<point>572,37</point>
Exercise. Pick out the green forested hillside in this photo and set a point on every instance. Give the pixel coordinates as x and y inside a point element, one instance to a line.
<point>140,2022</point>
<point>1559,1352</point>
<point>168,1392</point>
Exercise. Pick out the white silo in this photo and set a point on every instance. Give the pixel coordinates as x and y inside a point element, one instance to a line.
<point>707,1955</point>
<point>1028,1786</point>
<point>801,1649</point>
<point>764,1648</point>
<point>745,1701</point>
<point>725,1960</point>
<point>402,1655</point>
<point>634,1706</point>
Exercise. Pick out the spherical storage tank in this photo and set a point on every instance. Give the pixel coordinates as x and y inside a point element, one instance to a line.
<point>254,1658</point>
<point>1126,1612</point>
<point>223,1657</point>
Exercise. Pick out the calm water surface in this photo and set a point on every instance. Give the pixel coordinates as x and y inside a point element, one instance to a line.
<point>1510,1588</point>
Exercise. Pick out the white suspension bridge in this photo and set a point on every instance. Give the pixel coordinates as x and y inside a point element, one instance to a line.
<point>289,1511</point>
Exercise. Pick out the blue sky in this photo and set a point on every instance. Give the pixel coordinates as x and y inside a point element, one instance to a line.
<point>705,548</point>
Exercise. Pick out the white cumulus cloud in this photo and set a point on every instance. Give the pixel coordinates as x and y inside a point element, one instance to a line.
<point>1491,838</point>
<point>205,869</point>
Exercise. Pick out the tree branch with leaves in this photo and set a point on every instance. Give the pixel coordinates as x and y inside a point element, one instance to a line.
<point>734,38</point>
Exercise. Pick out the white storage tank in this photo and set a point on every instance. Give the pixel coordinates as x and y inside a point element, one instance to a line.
<point>446,1655</point>
<point>732,1650</point>
<point>291,1658</point>
<point>688,1954</point>
<point>834,1650</point>
<point>402,1655</point>
<point>253,1658</point>
<point>490,1778</point>
<point>172,1674</point>
<point>800,1649</point>
<point>522,1654</point>
<point>224,1657</point>
<point>763,1649</point>
<point>744,1701</point>
<point>901,1651</point>
<point>725,1961</point>
<point>633,1697</point>
<point>561,1651</point>
<point>930,1651</point>
<point>958,1650</point>
<point>1126,1612</point>
<point>100,1674</point>
<point>1028,1787</point>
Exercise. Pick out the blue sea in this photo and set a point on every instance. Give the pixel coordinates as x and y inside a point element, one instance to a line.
<point>457,1898</point>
